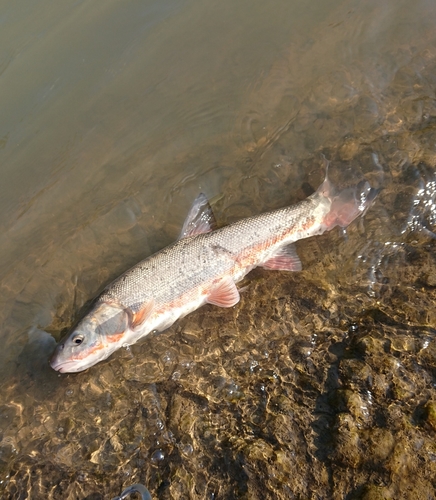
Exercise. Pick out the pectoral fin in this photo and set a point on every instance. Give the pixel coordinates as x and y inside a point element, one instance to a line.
<point>200,218</point>
<point>285,259</point>
<point>140,317</point>
<point>225,294</point>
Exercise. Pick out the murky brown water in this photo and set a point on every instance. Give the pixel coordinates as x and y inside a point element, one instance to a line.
<point>319,384</point>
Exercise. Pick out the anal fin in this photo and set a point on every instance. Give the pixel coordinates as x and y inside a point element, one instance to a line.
<point>285,259</point>
<point>225,294</point>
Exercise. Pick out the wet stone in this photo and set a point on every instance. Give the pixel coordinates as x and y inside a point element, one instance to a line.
<point>373,492</point>
<point>430,414</point>
<point>347,441</point>
<point>430,278</point>
<point>381,443</point>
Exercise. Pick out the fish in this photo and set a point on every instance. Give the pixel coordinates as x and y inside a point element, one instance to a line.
<point>203,267</point>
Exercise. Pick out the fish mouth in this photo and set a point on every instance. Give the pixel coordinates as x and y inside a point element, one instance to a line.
<point>66,366</point>
<point>77,364</point>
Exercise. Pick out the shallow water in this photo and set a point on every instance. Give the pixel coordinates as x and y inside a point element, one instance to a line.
<point>319,384</point>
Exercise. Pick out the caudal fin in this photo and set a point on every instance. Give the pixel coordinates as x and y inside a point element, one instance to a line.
<point>347,204</point>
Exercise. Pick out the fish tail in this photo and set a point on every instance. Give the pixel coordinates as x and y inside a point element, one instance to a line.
<point>348,203</point>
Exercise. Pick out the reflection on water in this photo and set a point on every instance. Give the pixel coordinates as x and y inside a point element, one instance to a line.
<point>422,215</point>
<point>319,384</point>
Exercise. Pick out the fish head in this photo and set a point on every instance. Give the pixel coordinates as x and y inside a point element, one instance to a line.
<point>95,338</point>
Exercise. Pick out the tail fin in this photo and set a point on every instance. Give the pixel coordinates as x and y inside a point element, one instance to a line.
<point>347,204</point>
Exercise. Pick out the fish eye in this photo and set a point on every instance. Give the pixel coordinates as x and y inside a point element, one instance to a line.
<point>78,339</point>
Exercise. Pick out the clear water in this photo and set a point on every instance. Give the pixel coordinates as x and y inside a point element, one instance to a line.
<point>319,384</point>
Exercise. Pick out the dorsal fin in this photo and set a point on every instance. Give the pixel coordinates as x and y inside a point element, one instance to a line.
<point>200,218</point>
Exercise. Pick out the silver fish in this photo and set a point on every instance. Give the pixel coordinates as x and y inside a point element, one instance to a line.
<point>203,266</point>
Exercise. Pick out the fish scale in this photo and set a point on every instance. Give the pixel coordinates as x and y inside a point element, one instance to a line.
<point>197,260</point>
